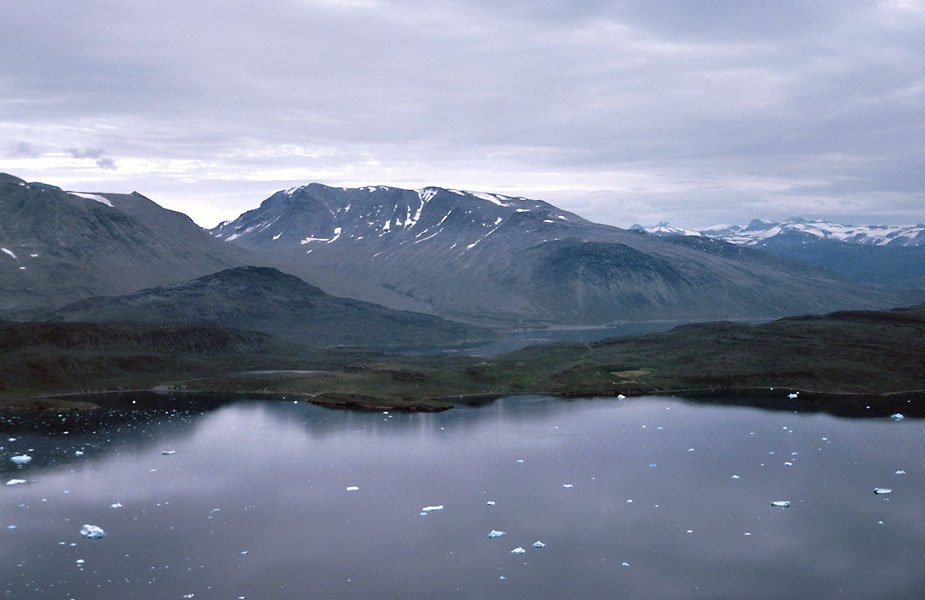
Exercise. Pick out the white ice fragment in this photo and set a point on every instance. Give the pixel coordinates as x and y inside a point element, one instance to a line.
<point>626,564</point>
<point>793,396</point>
<point>568,485</point>
<point>10,252</point>
<point>16,482</point>
<point>78,453</point>
<point>518,550</point>
<point>882,491</point>
<point>352,488</point>
<point>21,459</point>
<point>781,504</point>
<point>92,532</point>
<point>621,397</point>
<point>538,544</point>
<point>897,417</point>
<point>116,505</point>
<point>490,503</point>
<point>520,460</point>
<point>496,534</point>
<point>80,561</point>
<point>168,452</point>
<point>432,508</point>
<point>900,472</point>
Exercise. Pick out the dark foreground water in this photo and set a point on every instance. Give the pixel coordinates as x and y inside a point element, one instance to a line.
<point>643,498</point>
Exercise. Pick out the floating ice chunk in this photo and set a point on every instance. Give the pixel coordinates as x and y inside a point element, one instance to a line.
<point>518,550</point>
<point>897,417</point>
<point>16,482</point>
<point>626,564</point>
<point>21,459</point>
<point>781,504</point>
<point>116,505</point>
<point>168,452</point>
<point>520,460</point>
<point>496,534</point>
<point>80,561</point>
<point>78,453</point>
<point>621,397</point>
<point>92,532</point>
<point>793,396</point>
<point>736,477</point>
<point>352,488</point>
<point>568,485</point>
<point>882,491</point>
<point>899,472</point>
<point>11,527</point>
<point>432,508</point>
<point>490,503</point>
<point>538,544</point>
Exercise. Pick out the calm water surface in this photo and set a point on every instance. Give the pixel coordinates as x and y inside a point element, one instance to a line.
<point>643,498</point>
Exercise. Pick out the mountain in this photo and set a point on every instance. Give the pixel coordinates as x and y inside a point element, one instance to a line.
<point>489,256</point>
<point>57,247</point>
<point>874,254</point>
<point>266,300</point>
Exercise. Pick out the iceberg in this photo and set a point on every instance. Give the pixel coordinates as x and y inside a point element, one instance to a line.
<point>21,459</point>
<point>496,534</point>
<point>16,482</point>
<point>518,550</point>
<point>538,544</point>
<point>781,504</point>
<point>432,508</point>
<point>897,417</point>
<point>882,491</point>
<point>92,532</point>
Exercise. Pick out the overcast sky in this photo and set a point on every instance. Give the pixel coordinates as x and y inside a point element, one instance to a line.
<point>691,112</point>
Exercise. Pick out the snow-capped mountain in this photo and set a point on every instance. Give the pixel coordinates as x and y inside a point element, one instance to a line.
<point>481,255</point>
<point>759,231</point>
<point>879,254</point>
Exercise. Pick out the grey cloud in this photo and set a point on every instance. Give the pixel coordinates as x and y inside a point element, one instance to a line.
<point>22,150</point>
<point>740,91</point>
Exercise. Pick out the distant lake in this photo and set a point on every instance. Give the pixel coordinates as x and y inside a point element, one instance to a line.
<point>641,498</point>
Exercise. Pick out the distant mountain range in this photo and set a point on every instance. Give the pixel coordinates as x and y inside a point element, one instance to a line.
<point>513,259</point>
<point>876,254</point>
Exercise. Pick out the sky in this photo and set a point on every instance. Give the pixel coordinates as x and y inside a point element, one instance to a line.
<point>691,112</point>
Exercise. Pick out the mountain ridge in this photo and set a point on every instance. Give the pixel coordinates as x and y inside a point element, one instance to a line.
<point>478,255</point>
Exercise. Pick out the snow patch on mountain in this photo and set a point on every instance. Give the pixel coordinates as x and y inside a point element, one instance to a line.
<point>95,197</point>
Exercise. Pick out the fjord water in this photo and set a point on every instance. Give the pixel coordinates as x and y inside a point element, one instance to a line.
<point>640,498</point>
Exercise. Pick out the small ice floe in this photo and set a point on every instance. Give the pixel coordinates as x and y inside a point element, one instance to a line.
<point>520,460</point>
<point>794,396</point>
<point>897,417</point>
<point>352,488</point>
<point>882,491</point>
<point>518,550</point>
<point>736,477</point>
<point>490,503</point>
<point>494,533</point>
<point>168,452</point>
<point>781,504</point>
<point>80,561</point>
<point>538,544</point>
<point>567,485</point>
<point>21,459</point>
<point>78,453</point>
<point>899,472</point>
<point>428,509</point>
<point>621,397</point>
<point>625,564</point>
<point>16,482</point>
<point>11,527</point>
<point>92,532</point>
<point>116,505</point>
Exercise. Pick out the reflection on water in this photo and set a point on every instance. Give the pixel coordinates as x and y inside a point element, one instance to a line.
<point>254,503</point>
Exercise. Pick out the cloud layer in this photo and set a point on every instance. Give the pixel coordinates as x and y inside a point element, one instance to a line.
<point>696,113</point>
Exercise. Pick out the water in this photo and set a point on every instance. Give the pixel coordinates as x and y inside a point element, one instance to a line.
<point>668,500</point>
